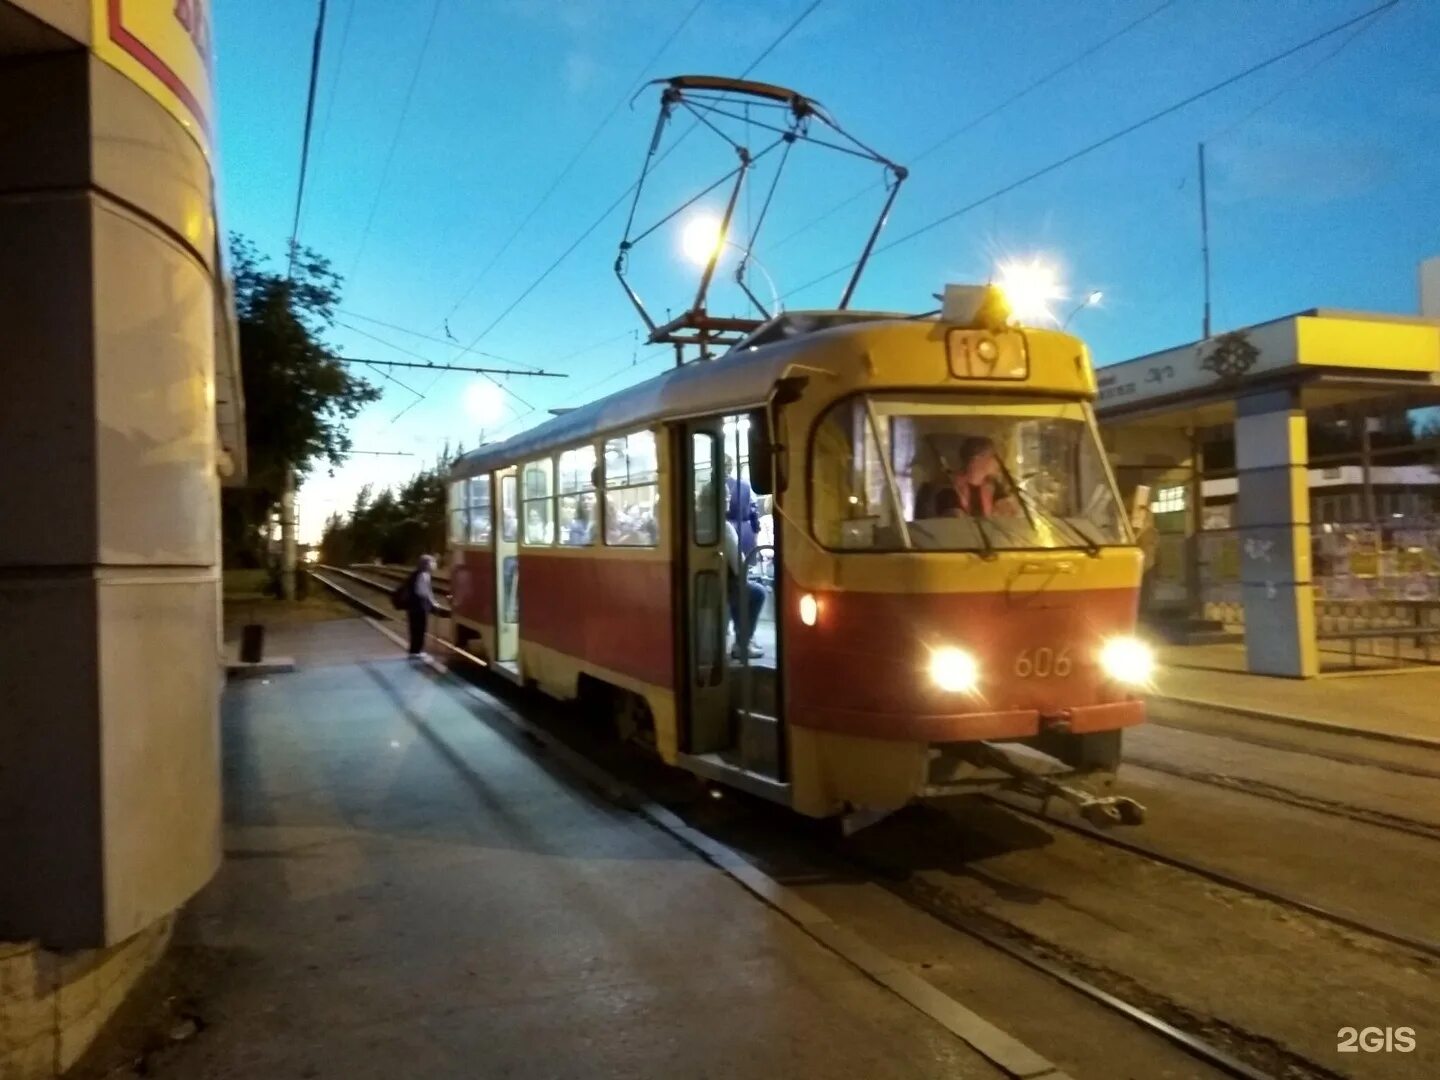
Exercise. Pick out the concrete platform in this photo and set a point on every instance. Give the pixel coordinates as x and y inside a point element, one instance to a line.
<point>411,890</point>
<point>1397,705</point>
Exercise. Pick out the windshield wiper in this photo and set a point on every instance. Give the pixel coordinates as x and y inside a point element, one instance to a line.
<point>1029,503</point>
<point>1091,547</point>
<point>988,551</point>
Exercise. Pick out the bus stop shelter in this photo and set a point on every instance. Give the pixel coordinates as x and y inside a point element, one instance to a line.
<point>1219,431</point>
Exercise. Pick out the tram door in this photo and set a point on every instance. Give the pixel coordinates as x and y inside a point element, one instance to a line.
<point>507,571</point>
<point>702,504</point>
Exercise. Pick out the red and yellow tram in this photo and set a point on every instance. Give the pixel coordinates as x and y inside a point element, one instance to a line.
<point>943,586</point>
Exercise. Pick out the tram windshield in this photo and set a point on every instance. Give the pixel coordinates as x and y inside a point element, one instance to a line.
<point>933,473</point>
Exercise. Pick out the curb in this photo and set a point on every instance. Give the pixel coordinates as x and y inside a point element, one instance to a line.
<point>1302,721</point>
<point>1002,1050</point>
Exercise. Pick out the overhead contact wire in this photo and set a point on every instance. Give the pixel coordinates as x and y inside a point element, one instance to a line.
<point>1107,140</point>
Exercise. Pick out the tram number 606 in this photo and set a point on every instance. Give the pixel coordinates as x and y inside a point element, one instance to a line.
<point>1042,663</point>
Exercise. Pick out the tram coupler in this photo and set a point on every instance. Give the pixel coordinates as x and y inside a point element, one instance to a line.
<point>1101,810</point>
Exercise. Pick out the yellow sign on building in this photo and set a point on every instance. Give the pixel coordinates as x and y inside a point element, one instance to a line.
<point>164,47</point>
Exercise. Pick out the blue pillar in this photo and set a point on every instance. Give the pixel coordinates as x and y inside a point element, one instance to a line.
<point>1273,516</point>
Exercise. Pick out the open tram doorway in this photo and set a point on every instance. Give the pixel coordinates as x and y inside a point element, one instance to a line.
<point>735,726</point>
<point>507,573</point>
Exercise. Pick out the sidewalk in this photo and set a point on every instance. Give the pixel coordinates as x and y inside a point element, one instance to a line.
<point>410,891</point>
<point>1403,706</point>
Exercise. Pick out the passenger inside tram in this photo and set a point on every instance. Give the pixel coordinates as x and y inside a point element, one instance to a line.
<point>580,530</point>
<point>742,522</point>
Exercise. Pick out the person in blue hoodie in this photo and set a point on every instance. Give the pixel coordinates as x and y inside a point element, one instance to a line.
<point>742,515</point>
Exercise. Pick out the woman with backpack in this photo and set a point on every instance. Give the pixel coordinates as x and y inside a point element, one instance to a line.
<point>416,597</point>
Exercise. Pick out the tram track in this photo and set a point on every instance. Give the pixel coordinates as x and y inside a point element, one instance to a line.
<point>1399,768</point>
<point>1227,1045</point>
<point>1217,876</point>
<point>1261,789</point>
<point>393,575</point>
<point>1393,936</point>
<point>1223,1046</point>
<point>1228,1049</point>
<point>382,587</point>
<point>1258,1058</point>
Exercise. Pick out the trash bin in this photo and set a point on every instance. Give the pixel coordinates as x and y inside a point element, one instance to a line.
<point>252,643</point>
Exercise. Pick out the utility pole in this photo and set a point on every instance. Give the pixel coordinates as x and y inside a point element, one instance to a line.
<point>287,535</point>
<point>1205,246</point>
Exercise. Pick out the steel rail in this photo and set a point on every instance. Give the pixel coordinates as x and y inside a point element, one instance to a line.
<point>356,601</point>
<point>398,573</point>
<point>1188,1042</point>
<point>442,612</point>
<point>1222,877</point>
<point>1191,1044</point>
<point>1260,789</point>
<point>1398,767</point>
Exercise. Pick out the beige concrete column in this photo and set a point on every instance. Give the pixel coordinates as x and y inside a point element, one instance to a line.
<point>1273,516</point>
<point>109,680</point>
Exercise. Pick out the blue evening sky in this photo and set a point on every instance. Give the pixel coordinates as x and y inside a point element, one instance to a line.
<point>1329,195</point>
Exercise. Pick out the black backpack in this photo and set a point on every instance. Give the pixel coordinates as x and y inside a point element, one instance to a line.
<point>404,593</point>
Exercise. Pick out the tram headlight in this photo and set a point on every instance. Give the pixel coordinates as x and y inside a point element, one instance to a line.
<point>953,670</point>
<point>1128,660</point>
<point>809,609</point>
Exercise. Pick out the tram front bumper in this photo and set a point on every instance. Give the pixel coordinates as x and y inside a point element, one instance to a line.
<point>973,726</point>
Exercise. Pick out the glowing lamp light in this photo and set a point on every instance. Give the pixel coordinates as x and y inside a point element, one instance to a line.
<point>809,609</point>
<point>1128,660</point>
<point>701,238</point>
<point>484,402</point>
<point>953,670</point>
<point>1031,286</point>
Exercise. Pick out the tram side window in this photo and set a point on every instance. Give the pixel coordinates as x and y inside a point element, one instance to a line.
<point>632,473</point>
<point>577,497</point>
<point>538,504</point>
<point>509,510</point>
<point>458,504</point>
<point>480,509</point>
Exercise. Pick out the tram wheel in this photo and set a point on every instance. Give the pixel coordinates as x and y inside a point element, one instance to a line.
<point>631,717</point>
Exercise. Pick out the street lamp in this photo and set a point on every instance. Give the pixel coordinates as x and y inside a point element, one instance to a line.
<point>1089,301</point>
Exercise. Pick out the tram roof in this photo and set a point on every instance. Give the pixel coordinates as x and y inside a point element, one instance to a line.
<point>740,379</point>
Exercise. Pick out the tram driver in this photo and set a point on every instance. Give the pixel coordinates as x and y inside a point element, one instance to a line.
<point>976,488</point>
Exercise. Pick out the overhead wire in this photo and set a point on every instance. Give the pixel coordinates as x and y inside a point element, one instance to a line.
<point>1301,76</point>
<point>1107,140</point>
<point>395,138</point>
<point>315,52</point>
<point>604,216</point>
<point>420,356</point>
<point>628,366</point>
<point>632,332</point>
<point>589,230</point>
<point>422,336</point>
<point>575,158</point>
<point>980,118</point>
<point>335,80</point>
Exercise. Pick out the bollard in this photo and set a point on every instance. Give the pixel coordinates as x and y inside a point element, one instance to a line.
<point>252,643</point>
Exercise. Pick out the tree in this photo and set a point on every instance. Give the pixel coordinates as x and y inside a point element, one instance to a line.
<point>298,396</point>
<point>396,526</point>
